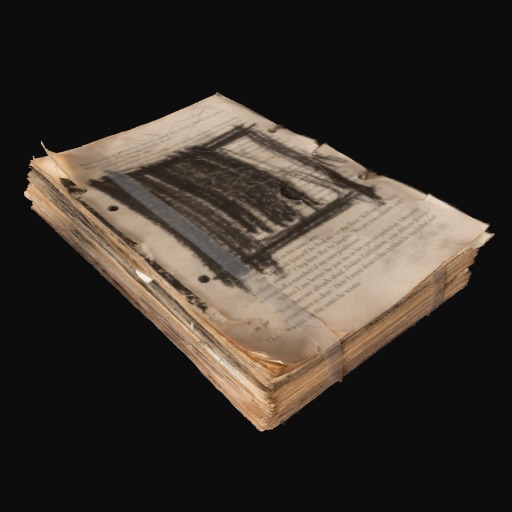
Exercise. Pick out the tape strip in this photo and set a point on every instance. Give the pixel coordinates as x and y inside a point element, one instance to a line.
<point>295,317</point>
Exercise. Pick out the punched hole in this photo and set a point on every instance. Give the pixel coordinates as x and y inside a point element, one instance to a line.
<point>203,279</point>
<point>113,208</point>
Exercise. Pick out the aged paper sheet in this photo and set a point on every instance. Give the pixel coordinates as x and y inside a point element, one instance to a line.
<point>291,245</point>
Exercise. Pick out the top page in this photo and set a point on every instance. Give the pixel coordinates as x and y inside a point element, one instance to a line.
<point>291,245</point>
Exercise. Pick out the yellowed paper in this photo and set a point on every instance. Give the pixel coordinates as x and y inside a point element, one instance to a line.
<point>291,245</point>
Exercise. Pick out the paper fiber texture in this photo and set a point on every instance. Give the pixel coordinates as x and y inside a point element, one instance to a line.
<point>288,245</point>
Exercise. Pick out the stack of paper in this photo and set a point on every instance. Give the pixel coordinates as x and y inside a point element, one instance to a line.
<point>276,264</point>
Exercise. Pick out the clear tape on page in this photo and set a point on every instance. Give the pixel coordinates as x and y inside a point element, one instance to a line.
<point>294,316</point>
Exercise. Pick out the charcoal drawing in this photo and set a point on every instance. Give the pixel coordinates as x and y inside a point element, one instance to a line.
<point>249,208</point>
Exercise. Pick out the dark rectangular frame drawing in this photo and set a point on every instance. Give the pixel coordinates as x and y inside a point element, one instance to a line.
<point>249,211</point>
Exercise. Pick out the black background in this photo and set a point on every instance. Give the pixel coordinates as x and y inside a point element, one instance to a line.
<point>96,376</point>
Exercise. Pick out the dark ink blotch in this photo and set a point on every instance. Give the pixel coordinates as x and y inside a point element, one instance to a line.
<point>72,187</point>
